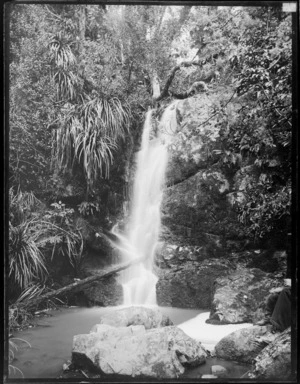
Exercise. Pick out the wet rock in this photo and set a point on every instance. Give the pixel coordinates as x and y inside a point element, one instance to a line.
<point>173,255</point>
<point>105,331</point>
<point>189,351</point>
<point>191,284</point>
<point>66,366</point>
<point>195,208</point>
<point>245,344</point>
<point>240,296</point>
<point>124,317</point>
<point>134,351</point>
<point>274,361</point>
<point>219,370</point>
<point>104,293</point>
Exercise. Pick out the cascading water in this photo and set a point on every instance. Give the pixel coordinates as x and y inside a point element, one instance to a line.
<point>141,238</point>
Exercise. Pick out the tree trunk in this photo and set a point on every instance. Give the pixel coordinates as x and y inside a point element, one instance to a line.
<point>165,91</point>
<point>81,27</point>
<point>184,13</point>
<point>105,273</point>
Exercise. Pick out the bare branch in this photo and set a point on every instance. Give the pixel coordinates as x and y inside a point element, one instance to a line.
<point>52,13</point>
<point>184,64</point>
<point>171,76</point>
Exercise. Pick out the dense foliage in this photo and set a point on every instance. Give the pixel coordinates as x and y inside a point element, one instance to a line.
<point>263,128</point>
<point>81,79</point>
<point>36,236</point>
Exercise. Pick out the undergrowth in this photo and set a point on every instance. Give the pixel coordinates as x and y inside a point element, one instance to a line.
<point>13,347</point>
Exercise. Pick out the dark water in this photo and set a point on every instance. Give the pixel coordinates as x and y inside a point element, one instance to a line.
<point>51,342</point>
<point>234,370</point>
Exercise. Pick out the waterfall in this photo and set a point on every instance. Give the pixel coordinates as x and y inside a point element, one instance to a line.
<point>141,237</point>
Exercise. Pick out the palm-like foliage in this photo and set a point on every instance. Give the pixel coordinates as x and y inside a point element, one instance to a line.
<point>26,261</point>
<point>21,205</point>
<point>32,233</point>
<point>11,356</point>
<point>60,51</point>
<point>63,60</point>
<point>66,83</point>
<point>89,130</point>
<point>90,134</point>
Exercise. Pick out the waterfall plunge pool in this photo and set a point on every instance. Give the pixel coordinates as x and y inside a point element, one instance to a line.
<point>51,340</point>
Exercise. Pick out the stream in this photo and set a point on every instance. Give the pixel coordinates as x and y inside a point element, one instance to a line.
<point>51,341</point>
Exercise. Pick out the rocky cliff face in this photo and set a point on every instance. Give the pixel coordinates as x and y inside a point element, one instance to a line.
<point>199,199</point>
<point>201,238</point>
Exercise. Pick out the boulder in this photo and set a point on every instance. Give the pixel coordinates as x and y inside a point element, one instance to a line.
<point>134,351</point>
<point>173,255</point>
<point>105,332</point>
<point>239,297</point>
<point>274,361</point>
<point>190,285</point>
<point>85,346</point>
<point>219,370</point>
<point>105,292</point>
<point>124,317</point>
<point>244,344</point>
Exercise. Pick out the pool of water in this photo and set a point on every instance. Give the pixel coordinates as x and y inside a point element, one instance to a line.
<point>51,341</point>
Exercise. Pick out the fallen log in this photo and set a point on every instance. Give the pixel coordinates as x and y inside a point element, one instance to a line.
<point>105,273</point>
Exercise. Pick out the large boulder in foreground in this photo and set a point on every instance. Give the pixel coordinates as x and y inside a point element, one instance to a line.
<point>274,361</point>
<point>190,285</point>
<point>244,344</point>
<point>124,317</point>
<point>240,296</point>
<point>137,352</point>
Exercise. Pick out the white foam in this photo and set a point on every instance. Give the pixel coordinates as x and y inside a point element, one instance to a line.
<point>209,334</point>
<point>142,234</point>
